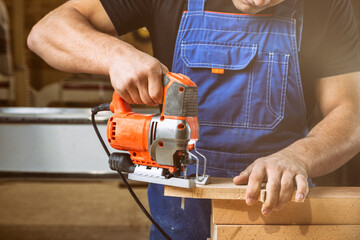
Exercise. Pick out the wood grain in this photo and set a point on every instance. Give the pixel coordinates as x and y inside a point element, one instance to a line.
<point>224,188</point>
<point>312,211</point>
<point>277,232</point>
<point>324,205</point>
<point>219,188</point>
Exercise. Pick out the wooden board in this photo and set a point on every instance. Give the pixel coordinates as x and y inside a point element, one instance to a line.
<point>312,211</point>
<point>219,188</point>
<point>278,232</point>
<point>324,205</point>
<point>224,188</point>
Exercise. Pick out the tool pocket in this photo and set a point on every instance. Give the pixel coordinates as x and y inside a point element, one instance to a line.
<point>238,85</point>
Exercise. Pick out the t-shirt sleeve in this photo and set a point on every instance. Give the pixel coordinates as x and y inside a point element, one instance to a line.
<point>127,15</point>
<point>339,51</point>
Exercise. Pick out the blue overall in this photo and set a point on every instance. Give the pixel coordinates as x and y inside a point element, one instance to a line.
<point>253,109</point>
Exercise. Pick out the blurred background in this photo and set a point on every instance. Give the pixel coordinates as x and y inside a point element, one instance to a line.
<point>27,81</point>
<point>55,182</point>
<point>52,187</point>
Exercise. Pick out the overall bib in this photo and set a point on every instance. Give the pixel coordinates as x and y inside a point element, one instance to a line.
<point>250,98</point>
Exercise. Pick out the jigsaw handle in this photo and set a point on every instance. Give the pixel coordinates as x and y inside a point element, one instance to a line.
<point>119,105</point>
<point>180,98</point>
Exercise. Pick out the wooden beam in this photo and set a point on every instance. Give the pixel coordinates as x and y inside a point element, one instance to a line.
<point>224,188</point>
<point>276,232</point>
<point>324,205</point>
<point>219,188</point>
<point>312,211</point>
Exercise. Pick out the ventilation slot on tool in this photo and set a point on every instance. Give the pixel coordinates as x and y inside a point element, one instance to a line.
<point>153,132</point>
<point>113,129</point>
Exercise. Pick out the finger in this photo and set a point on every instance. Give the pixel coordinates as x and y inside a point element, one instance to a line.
<point>302,188</point>
<point>286,190</point>
<point>135,96</point>
<point>164,69</point>
<point>155,88</point>
<point>272,192</point>
<point>243,177</point>
<point>127,90</point>
<point>254,185</point>
<point>121,90</point>
<point>155,84</point>
<point>144,94</point>
<point>126,96</point>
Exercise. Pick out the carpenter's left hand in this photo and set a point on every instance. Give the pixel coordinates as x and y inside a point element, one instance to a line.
<point>281,171</point>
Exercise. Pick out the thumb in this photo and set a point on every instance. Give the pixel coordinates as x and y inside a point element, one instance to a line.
<point>164,69</point>
<point>155,85</point>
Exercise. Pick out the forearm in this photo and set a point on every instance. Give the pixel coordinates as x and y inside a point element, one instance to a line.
<point>67,41</point>
<point>331,143</point>
<point>74,38</point>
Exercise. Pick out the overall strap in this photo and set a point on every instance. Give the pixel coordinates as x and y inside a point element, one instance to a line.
<point>196,5</point>
<point>293,9</point>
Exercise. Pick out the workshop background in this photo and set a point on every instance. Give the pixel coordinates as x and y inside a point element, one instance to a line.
<point>54,178</point>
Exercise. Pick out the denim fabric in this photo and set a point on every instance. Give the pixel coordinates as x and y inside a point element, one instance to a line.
<point>253,109</point>
<point>256,107</point>
<point>190,223</point>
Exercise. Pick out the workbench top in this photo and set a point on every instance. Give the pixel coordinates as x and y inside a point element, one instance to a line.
<point>328,213</point>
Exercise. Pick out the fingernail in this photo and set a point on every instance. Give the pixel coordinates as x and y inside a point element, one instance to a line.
<point>300,197</point>
<point>249,201</point>
<point>265,212</point>
<point>236,179</point>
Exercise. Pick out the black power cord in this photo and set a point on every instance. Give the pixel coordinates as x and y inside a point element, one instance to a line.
<point>106,107</point>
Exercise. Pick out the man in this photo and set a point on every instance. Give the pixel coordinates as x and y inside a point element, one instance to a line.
<point>251,106</point>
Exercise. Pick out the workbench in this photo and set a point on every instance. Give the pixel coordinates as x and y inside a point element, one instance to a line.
<point>327,213</point>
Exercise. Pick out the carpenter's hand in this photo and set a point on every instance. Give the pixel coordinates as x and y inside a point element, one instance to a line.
<point>280,171</point>
<point>137,78</point>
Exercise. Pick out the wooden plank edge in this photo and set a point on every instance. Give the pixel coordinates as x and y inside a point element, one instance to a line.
<point>223,188</point>
<point>295,232</point>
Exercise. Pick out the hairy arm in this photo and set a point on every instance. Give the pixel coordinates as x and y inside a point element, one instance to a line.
<point>79,37</point>
<point>330,144</point>
<point>65,35</point>
<point>336,139</point>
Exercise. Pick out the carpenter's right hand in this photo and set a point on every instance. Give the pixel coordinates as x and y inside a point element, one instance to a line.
<point>137,78</point>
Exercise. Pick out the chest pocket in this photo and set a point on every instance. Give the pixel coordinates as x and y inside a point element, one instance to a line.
<point>249,93</point>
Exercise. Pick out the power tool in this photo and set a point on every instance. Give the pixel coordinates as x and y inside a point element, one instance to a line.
<point>159,146</point>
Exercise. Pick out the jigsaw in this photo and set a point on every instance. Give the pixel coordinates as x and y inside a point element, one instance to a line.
<point>159,147</point>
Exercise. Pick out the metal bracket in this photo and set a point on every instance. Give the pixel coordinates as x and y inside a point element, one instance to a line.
<point>155,175</point>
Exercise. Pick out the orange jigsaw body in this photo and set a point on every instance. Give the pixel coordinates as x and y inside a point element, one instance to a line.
<point>129,131</point>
